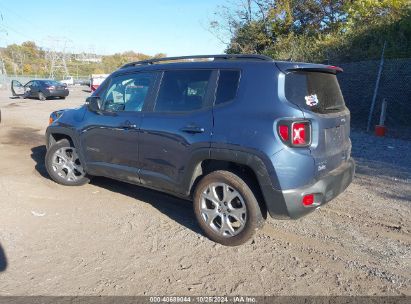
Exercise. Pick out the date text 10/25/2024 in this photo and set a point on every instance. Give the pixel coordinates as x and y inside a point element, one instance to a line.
<point>205,299</point>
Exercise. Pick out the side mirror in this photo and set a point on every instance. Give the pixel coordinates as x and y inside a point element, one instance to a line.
<point>93,104</point>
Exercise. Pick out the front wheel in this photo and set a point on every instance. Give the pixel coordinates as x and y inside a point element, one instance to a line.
<point>226,208</point>
<point>63,164</point>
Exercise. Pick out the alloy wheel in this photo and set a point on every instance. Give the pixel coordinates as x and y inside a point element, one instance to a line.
<point>223,209</point>
<point>66,163</point>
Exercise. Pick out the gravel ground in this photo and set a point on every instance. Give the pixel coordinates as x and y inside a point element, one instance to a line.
<point>111,238</point>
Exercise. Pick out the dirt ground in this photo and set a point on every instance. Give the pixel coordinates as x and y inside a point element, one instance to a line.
<point>111,238</point>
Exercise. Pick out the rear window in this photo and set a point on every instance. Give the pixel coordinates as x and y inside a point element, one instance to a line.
<point>52,83</point>
<point>314,91</point>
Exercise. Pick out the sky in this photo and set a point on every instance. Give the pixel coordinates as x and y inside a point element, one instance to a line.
<point>174,27</point>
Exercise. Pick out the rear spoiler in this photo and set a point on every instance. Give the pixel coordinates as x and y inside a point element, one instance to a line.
<point>307,67</point>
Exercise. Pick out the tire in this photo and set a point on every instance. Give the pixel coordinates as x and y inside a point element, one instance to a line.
<point>63,164</point>
<point>62,97</point>
<point>42,97</point>
<point>25,95</point>
<point>229,221</point>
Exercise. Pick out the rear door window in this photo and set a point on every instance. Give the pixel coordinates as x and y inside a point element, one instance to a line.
<point>183,91</point>
<point>314,91</point>
<point>227,86</point>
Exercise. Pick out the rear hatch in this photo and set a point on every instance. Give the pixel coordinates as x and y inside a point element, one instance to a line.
<point>315,90</point>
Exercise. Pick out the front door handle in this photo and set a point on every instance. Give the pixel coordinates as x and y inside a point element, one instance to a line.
<point>192,129</point>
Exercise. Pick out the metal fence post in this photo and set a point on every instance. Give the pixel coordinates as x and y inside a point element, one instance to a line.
<point>380,129</point>
<point>377,83</point>
<point>383,111</point>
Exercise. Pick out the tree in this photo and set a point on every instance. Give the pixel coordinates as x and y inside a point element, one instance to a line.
<point>315,30</point>
<point>28,58</point>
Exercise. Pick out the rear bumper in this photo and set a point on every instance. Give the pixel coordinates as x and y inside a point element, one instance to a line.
<point>60,93</point>
<point>325,189</point>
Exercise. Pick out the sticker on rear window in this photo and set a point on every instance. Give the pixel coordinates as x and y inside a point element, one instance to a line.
<point>311,100</point>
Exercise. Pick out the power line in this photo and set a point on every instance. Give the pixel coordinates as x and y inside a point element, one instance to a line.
<point>16,31</point>
<point>21,18</point>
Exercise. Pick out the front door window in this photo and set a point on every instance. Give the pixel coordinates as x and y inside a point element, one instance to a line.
<point>127,92</point>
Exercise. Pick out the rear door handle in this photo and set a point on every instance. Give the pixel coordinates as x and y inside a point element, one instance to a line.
<point>192,129</point>
<point>128,125</point>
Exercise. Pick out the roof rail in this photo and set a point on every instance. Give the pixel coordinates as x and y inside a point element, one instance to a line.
<point>215,57</point>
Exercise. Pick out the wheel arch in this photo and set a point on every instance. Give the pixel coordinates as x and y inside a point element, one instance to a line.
<point>245,164</point>
<point>55,137</point>
<point>54,134</point>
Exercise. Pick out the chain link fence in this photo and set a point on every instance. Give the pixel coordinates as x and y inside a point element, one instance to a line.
<point>358,84</point>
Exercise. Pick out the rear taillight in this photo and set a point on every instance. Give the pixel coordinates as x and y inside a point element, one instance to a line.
<point>295,133</point>
<point>300,133</point>
<point>284,132</point>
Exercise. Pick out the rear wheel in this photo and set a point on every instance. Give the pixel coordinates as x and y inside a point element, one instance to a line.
<point>42,97</point>
<point>63,164</point>
<point>226,208</point>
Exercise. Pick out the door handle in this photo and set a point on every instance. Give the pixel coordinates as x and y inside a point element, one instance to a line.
<point>192,129</point>
<point>128,125</point>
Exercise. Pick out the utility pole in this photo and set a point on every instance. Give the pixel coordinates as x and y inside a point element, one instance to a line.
<point>3,74</point>
<point>57,57</point>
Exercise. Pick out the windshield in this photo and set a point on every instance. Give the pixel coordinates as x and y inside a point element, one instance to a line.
<point>314,91</point>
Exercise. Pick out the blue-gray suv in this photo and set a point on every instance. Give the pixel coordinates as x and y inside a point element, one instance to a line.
<point>242,136</point>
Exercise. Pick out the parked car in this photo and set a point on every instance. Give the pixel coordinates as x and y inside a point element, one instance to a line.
<point>242,136</point>
<point>69,80</point>
<point>41,89</point>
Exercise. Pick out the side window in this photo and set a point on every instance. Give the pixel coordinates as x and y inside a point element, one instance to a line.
<point>182,91</point>
<point>227,86</point>
<point>127,92</point>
